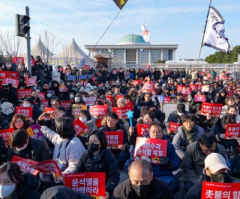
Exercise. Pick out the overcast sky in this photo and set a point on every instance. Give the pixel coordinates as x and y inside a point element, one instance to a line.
<point>169,21</point>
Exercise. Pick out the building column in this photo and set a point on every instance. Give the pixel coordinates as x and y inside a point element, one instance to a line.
<point>149,57</point>
<point>125,58</point>
<point>173,55</point>
<point>161,54</point>
<point>137,52</point>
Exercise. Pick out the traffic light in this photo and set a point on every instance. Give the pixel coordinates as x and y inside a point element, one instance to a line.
<point>20,24</point>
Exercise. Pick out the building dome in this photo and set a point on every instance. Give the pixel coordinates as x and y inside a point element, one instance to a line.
<point>132,39</point>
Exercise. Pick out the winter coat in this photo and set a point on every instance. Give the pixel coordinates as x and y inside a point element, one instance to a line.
<point>55,74</point>
<point>91,124</point>
<point>3,151</point>
<point>28,188</point>
<point>219,132</point>
<point>103,162</point>
<point>4,124</point>
<point>193,161</point>
<point>173,117</point>
<point>67,152</point>
<point>149,104</point>
<point>36,150</point>
<point>36,112</point>
<point>180,141</point>
<point>164,172</point>
<point>63,192</point>
<point>195,192</point>
<point>159,190</point>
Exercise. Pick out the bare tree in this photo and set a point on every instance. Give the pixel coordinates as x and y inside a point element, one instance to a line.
<point>10,45</point>
<point>67,53</point>
<point>51,42</point>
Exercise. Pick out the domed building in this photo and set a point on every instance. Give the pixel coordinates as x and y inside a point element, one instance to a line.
<point>132,51</point>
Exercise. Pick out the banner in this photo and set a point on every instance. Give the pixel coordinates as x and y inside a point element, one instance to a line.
<point>49,110</point>
<point>91,183</point>
<point>143,130</point>
<point>80,128</point>
<point>23,93</point>
<point>214,36</point>
<point>48,167</point>
<point>148,86</point>
<point>216,190</point>
<point>71,77</point>
<point>99,112</point>
<point>232,131</point>
<point>35,131</point>
<point>90,101</point>
<point>205,88</point>
<point>27,112</point>
<point>129,106</point>
<point>86,67</point>
<point>136,82</point>
<point>76,108</point>
<point>213,109</point>
<point>25,164</point>
<point>66,104</point>
<point>13,74</point>
<point>150,149</point>
<point>120,3</point>
<point>18,60</point>
<point>114,139</point>
<point>167,100</point>
<point>200,98</point>
<point>12,81</point>
<point>5,134</point>
<point>173,126</point>
<point>183,89</point>
<point>160,98</point>
<point>31,81</point>
<point>62,88</point>
<point>41,95</point>
<point>121,111</point>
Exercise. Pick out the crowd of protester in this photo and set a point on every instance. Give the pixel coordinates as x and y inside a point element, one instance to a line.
<point>198,150</point>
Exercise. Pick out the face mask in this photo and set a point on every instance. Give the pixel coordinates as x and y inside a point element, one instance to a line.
<point>221,177</point>
<point>83,119</point>
<point>9,65</point>
<point>141,190</point>
<point>77,99</point>
<point>71,96</point>
<point>49,95</point>
<point>6,191</point>
<point>26,105</point>
<point>93,147</point>
<point>21,149</point>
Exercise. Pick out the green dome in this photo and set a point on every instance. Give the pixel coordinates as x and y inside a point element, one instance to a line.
<point>132,40</point>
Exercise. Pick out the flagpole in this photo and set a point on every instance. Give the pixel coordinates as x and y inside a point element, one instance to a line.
<point>200,51</point>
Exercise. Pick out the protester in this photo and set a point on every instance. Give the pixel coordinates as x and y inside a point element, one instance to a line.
<point>19,122</point>
<point>142,184</point>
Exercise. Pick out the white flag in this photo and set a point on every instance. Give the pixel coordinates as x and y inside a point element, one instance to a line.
<point>145,34</point>
<point>214,34</point>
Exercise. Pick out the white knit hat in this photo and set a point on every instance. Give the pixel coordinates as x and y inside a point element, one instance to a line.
<point>7,108</point>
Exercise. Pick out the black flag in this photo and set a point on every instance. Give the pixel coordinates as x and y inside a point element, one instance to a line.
<point>120,3</point>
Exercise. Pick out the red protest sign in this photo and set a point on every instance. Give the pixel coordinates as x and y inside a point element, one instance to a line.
<point>99,112</point>
<point>148,86</point>
<point>3,74</point>
<point>136,82</point>
<point>213,109</point>
<point>202,73</point>
<point>12,81</point>
<point>150,149</point>
<point>183,89</point>
<point>49,110</point>
<point>167,100</point>
<point>66,104</point>
<point>41,95</point>
<point>174,126</point>
<point>22,93</point>
<point>129,106</point>
<point>13,74</point>
<point>91,183</point>
<point>121,111</point>
<point>27,112</point>
<point>45,103</point>
<point>62,88</point>
<point>48,167</point>
<point>86,67</point>
<point>110,98</point>
<point>193,87</point>
<point>119,97</point>
<point>114,139</point>
<point>18,60</point>
<point>90,101</point>
<point>35,131</point>
<point>80,127</point>
<point>232,131</point>
<point>205,88</point>
<point>30,82</point>
<point>25,164</point>
<point>220,190</point>
<point>200,98</point>
<point>143,130</point>
<point>5,134</point>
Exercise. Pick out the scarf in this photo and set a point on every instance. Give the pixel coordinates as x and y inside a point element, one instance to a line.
<point>190,134</point>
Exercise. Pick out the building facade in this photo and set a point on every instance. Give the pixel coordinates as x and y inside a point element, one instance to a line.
<point>132,51</point>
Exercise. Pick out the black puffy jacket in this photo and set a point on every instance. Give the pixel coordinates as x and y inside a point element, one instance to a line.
<point>37,150</point>
<point>27,189</point>
<point>104,162</point>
